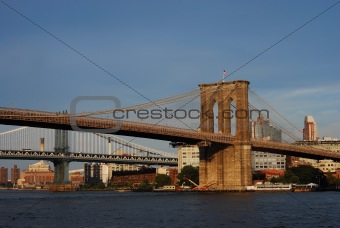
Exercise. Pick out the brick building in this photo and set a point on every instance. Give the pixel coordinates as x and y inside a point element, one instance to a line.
<point>3,175</point>
<point>15,174</point>
<point>173,173</point>
<point>133,177</point>
<point>77,178</point>
<point>38,174</point>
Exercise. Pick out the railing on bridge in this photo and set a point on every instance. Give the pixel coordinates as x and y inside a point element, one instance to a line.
<point>294,150</point>
<point>80,157</point>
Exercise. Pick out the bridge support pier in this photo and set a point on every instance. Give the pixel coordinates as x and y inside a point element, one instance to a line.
<point>226,166</point>
<point>229,166</point>
<point>61,181</point>
<point>61,172</point>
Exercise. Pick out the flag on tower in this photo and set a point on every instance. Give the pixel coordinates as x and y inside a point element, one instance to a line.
<point>224,75</point>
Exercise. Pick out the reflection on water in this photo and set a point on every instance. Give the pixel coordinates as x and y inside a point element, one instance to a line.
<point>183,209</point>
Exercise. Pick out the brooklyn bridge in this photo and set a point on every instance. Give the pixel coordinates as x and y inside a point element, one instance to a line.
<point>225,153</point>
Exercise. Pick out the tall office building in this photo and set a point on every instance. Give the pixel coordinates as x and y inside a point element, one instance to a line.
<point>263,130</point>
<point>92,173</point>
<point>310,137</point>
<point>310,130</point>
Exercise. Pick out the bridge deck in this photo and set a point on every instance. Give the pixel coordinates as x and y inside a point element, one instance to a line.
<point>21,117</point>
<point>294,150</point>
<point>79,157</point>
<point>52,120</point>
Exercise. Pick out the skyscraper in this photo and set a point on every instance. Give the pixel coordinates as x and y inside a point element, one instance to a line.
<point>310,137</point>
<point>310,130</point>
<point>93,173</point>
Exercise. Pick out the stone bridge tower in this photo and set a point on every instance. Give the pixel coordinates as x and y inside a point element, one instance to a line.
<point>227,165</point>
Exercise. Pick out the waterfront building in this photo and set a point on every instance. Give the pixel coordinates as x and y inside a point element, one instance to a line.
<point>133,178</point>
<point>188,155</point>
<point>104,173</point>
<point>292,161</point>
<point>328,166</point>
<point>263,130</point>
<point>77,177</point>
<point>172,172</point>
<point>92,173</point>
<point>38,174</point>
<point>3,175</point>
<point>112,167</point>
<point>327,143</point>
<point>269,173</point>
<point>15,174</point>
<point>162,170</point>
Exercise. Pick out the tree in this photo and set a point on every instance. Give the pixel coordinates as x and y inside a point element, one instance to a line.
<point>189,172</point>
<point>304,174</point>
<point>288,175</point>
<point>273,180</point>
<point>100,185</point>
<point>145,186</point>
<point>295,180</point>
<point>162,179</point>
<point>332,181</point>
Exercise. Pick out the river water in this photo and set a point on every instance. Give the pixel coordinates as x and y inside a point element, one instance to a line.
<point>169,209</point>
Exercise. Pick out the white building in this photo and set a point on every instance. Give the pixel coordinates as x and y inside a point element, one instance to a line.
<point>162,170</point>
<point>328,165</point>
<point>104,173</point>
<point>188,155</point>
<point>263,160</point>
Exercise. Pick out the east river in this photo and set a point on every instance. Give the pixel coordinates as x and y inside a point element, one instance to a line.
<point>168,209</point>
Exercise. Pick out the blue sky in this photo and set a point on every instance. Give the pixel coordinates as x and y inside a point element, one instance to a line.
<point>161,48</point>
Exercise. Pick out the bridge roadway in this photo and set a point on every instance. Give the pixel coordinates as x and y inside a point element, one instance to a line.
<point>80,157</point>
<point>21,117</point>
<point>294,150</point>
